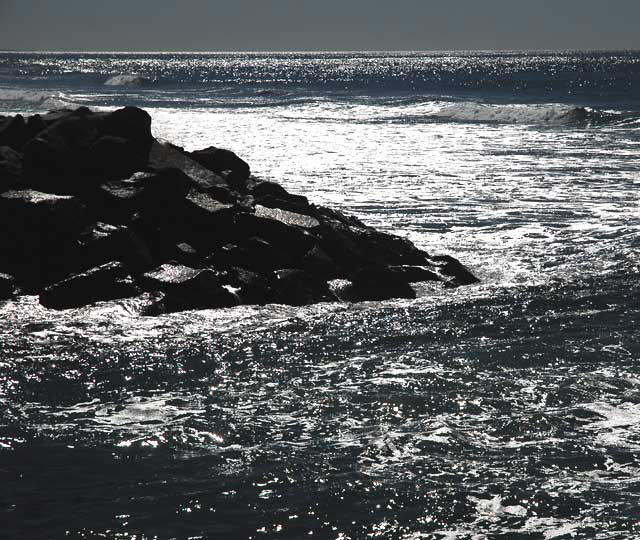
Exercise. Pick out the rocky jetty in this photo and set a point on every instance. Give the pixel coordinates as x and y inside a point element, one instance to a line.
<point>94,208</point>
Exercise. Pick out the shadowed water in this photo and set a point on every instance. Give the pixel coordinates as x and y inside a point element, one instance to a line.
<point>497,411</point>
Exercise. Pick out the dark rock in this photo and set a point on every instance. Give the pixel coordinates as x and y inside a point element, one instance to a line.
<point>35,125</point>
<point>102,242</point>
<point>207,211</point>
<point>290,239</point>
<point>107,282</point>
<point>319,264</point>
<point>155,195</point>
<point>81,149</point>
<point>7,286</point>
<point>457,273</point>
<point>219,160</point>
<point>188,288</point>
<point>299,288</point>
<point>414,274</point>
<point>299,207</point>
<point>47,164</point>
<point>378,283</point>
<point>116,157</point>
<point>206,221</point>
<point>52,117</point>
<point>286,217</point>
<point>10,168</point>
<point>163,192</point>
<point>336,240</point>
<point>164,155</point>
<point>353,247</point>
<point>254,254</point>
<point>336,216</point>
<point>117,201</point>
<point>270,190</point>
<point>223,194</point>
<point>44,213</point>
<point>58,159</point>
<point>13,132</point>
<point>132,124</point>
<point>37,230</point>
<point>160,238</point>
<point>185,254</point>
<point>251,287</point>
<point>387,249</point>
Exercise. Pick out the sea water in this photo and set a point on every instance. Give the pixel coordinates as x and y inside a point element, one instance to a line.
<point>504,410</point>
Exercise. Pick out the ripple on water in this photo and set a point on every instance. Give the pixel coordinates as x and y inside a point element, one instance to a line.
<point>491,411</point>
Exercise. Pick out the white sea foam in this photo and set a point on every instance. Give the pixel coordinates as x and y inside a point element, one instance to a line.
<point>130,79</point>
<point>11,98</point>
<point>514,114</point>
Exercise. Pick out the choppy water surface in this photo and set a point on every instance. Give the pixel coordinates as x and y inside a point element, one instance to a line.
<point>508,410</point>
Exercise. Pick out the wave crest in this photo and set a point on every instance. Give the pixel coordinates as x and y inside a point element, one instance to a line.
<point>129,79</point>
<point>11,98</point>
<point>524,114</point>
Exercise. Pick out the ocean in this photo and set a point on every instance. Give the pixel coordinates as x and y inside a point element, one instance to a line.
<point>504,410</point>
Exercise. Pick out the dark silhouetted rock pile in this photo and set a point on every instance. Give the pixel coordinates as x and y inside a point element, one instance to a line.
<point>93,208</point>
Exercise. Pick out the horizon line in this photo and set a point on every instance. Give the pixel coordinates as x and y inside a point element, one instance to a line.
<point>310,51</point>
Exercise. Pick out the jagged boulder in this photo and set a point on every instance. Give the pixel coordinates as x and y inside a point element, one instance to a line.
<point>251,287</point>
<point>354,247</point>
<point>81,149</point>
<point>456,273</point>
<point>274,195</point>
<point>102,242</point>
<point>117,201</point>
<point>7,286</point>
<point>296,287</point>
<point>254,254</point>
<point>10,168</point>
<point>110,281</point>
<point>378,283</point>
<point>185,254</point>
<point>13,132</point>
<point>220,160</point>
<point>157,196</point>
<point>287,217</point>
<point>35,124</point>
<point>132,124</point>
<point>40,213</point>
<point>293,240</point>
<point>37,231</point>
<point>116,157</point>
<point>164,155</point>
<point>188,288</point>
<point>319,264</point>
<point>414,274</point>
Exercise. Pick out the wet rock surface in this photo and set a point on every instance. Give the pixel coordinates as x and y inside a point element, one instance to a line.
<point>93,207</point>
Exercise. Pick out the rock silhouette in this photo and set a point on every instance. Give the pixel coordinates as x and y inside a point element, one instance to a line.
<point>93,208</point>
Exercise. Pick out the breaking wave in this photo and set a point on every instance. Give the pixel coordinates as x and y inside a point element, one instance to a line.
<point>11,98</point>
<point>127,80</point>
<point>525,114</point>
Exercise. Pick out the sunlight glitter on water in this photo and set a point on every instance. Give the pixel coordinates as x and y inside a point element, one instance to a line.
<point>504,198</point>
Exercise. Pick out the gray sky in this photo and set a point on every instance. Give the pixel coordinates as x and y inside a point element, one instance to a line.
<point>240,25</point>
